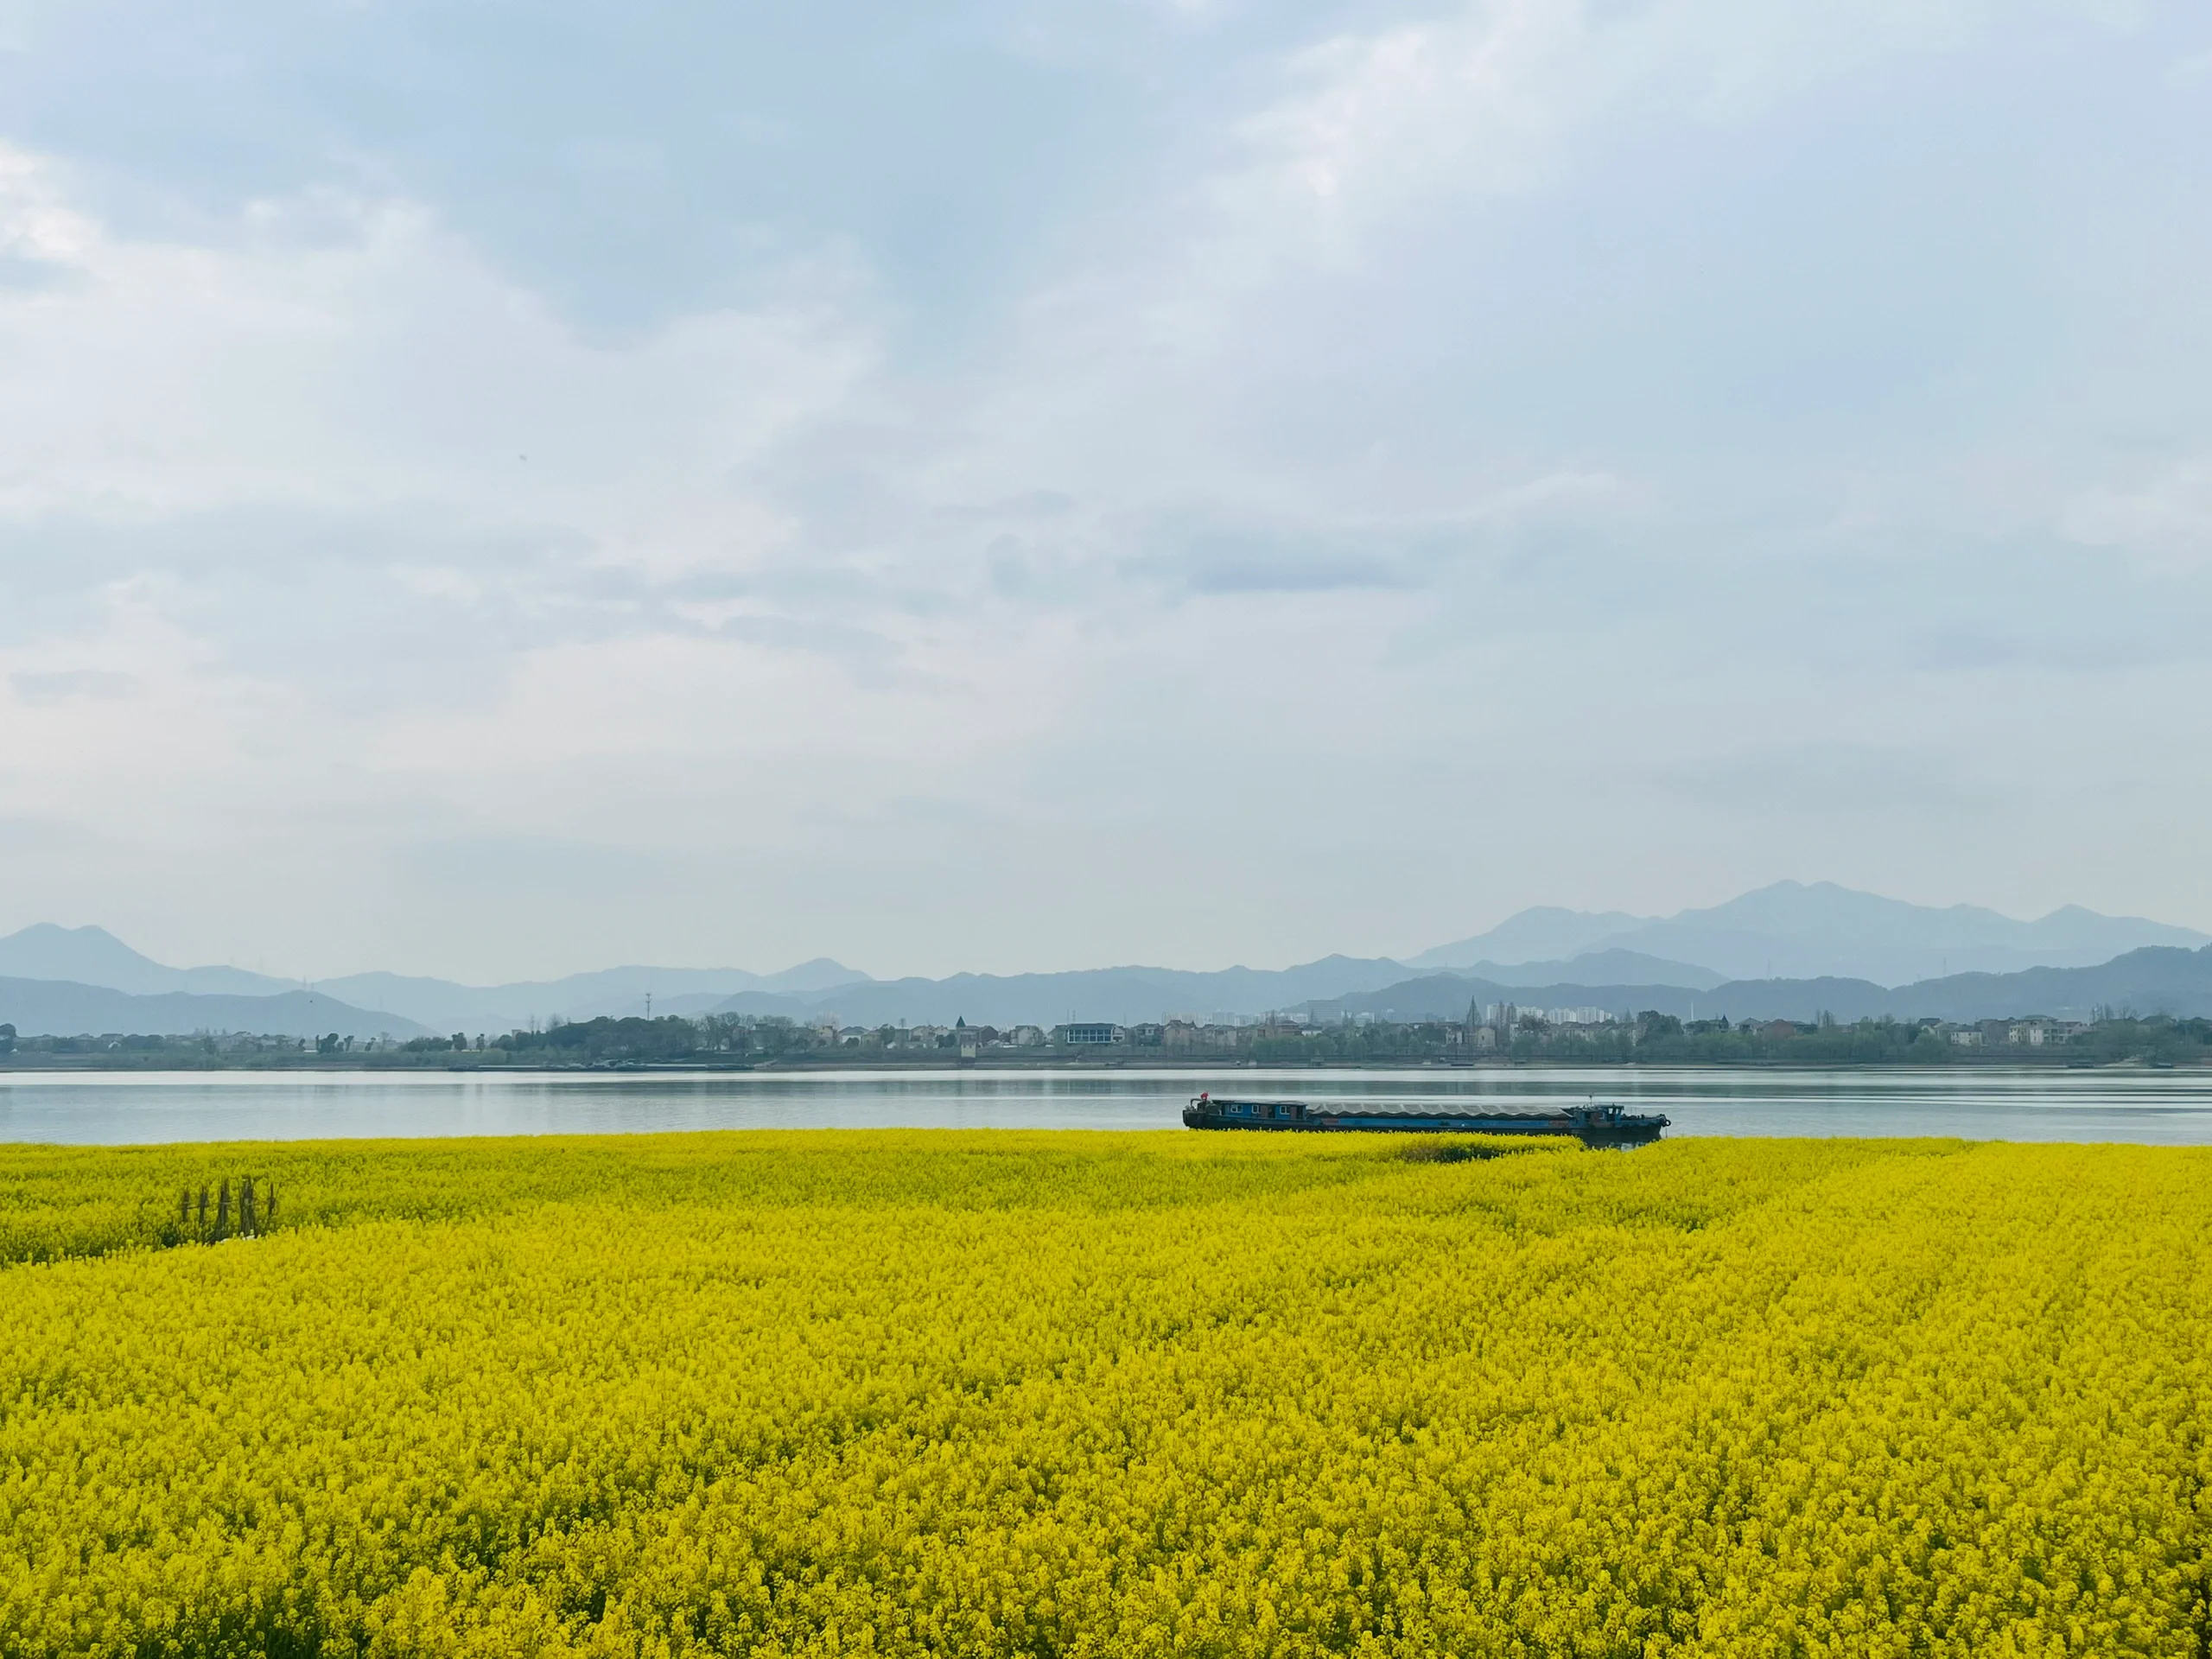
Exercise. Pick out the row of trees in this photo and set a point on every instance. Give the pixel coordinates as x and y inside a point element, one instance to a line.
<point>1651,1038</point>
<point>1655,1038</point>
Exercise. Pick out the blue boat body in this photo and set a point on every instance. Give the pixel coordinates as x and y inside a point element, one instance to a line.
<point>1594,1124</point>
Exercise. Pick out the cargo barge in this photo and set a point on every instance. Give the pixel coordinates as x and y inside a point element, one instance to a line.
<point>1594,1124</point>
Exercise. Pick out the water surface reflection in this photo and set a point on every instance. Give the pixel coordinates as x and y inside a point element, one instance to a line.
<point>2171,1108</point>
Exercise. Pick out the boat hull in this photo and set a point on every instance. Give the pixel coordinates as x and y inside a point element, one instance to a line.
<point>1594,1126</point>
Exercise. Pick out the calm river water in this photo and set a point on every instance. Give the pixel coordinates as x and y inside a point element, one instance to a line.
<point>2170,1107</point>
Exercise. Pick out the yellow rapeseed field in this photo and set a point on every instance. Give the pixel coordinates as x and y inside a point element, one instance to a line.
<point>1036,1393</point>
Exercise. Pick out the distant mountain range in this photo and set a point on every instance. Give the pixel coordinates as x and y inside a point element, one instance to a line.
<point>1792,929</point>
<point>1545,934</point>
<point>58,1007</point>
<point>183,1000</point>
<point>1597,968</point>
<point>2157,979</point>
<point>621,991</point>
<point>1124,995</point>
<point>1785,951</point>
<point>93,955</point>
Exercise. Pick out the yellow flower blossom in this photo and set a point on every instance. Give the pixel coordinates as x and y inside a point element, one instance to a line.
<point>1024,1394</point>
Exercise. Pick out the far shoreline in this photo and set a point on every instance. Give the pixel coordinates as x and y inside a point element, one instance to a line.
<point>320,1066</point>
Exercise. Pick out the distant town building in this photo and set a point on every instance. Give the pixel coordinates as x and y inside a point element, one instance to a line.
<point>1088,1035</point>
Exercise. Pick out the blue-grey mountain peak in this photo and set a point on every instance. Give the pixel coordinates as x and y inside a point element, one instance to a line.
<point>1794,930</point>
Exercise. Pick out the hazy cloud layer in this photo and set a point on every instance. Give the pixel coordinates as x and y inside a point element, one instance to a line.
<point>494,494</point>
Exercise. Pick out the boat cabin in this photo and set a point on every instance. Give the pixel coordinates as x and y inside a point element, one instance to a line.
<point>1252,1111</point>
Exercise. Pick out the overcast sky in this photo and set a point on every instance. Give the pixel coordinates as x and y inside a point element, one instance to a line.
<point>494,490</point>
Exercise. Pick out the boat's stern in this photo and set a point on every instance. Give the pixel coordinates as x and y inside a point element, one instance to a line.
<point>1611,1126</point>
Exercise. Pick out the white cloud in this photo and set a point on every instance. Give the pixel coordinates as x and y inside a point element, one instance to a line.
<point>332,351</point>
<point>2165,522</point>
<point>1485,97</point>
